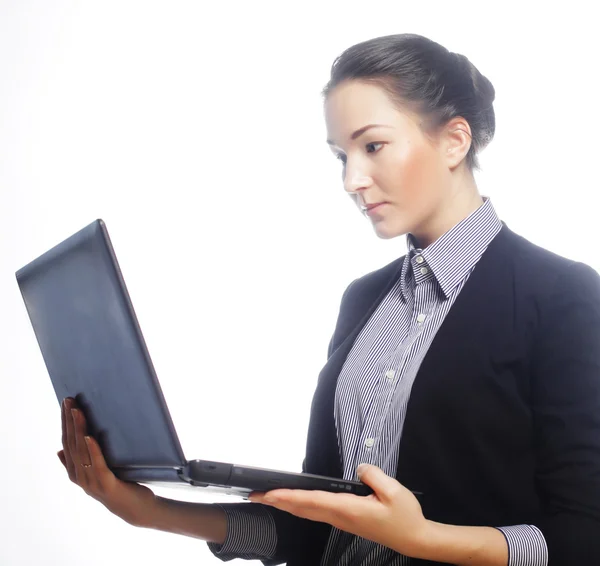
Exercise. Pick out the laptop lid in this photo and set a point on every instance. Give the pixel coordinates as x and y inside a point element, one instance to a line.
<point>94,350</point>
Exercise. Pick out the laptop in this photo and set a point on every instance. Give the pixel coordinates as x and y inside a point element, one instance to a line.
<point>94,351</point>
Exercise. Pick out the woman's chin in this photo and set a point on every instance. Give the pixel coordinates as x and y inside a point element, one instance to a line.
<point>387,232</point>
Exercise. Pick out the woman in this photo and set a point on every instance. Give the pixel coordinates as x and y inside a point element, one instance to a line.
<point>467,371</point>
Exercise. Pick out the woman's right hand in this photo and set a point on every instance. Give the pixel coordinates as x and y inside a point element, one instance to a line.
<point>82,457</point>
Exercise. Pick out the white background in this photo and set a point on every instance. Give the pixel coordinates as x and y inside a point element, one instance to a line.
<point>195,130</point>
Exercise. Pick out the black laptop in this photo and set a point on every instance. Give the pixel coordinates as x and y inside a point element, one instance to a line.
<point>94,351</point>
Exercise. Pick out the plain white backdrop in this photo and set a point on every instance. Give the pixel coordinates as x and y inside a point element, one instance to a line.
<point>195,130</point>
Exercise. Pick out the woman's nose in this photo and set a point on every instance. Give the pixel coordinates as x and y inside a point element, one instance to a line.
<point>354,182</point>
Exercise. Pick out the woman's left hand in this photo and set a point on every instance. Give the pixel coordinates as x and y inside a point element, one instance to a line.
<point>391,516</point>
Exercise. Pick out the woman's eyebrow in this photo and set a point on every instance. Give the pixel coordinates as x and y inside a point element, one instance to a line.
<point>361,131</point>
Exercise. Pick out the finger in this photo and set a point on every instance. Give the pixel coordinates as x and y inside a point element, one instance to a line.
<point>84,472</point>
<point>256,495</point>
<point>78,469</point>
<point>66,425</point>
<point>334,508</point>
<point>301,510</point>
<point>307,498</point>
<point>96,456</point>
<point>103,475</point>
<point>63,423</point>
<point>71,440</point>
<point>80,434</point>
<point>70,427</point>
<point>384,486</point>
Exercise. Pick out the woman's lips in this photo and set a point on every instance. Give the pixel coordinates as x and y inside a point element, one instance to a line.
<point>374,208</point>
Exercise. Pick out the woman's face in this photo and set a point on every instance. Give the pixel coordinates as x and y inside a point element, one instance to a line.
<point>393,163</point>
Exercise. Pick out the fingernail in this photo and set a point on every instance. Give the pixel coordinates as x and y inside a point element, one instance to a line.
<point>87,440</point>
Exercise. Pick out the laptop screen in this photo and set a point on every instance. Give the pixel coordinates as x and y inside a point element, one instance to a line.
<point>94,350</point>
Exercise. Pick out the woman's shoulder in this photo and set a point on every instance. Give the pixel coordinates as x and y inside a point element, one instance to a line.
<point>539,264</point>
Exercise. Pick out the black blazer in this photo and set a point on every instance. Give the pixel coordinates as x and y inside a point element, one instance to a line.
<point>503,421</point>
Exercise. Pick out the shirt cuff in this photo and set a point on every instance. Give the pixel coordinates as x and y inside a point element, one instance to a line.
<point>251,533</point>
<point>526,545</point>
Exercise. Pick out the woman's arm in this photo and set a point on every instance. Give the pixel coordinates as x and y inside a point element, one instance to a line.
<point>238,530</point>
<point>199,520</point>
<point>566,409</point>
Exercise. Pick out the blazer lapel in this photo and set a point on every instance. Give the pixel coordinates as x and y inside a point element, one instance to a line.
<point>322,451</point>
<point>480,326</point>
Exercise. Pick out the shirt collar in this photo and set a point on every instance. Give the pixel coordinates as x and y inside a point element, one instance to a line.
<point>452,256</point>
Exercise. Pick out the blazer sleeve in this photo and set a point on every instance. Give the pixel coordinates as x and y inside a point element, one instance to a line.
<point>566,410</point>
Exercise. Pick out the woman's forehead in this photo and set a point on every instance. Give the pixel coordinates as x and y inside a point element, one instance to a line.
<point>345,122</point>
<point>360,102</point>
<point>357,96</point>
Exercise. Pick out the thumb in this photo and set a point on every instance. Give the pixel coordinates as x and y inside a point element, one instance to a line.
<point>366,469</point>
<point>96,456</point>
<point>382,484</point>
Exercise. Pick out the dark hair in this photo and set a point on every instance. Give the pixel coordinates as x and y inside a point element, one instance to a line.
<point>423,76</point>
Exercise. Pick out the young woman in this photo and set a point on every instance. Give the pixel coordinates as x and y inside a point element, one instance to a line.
<point>467,370</point>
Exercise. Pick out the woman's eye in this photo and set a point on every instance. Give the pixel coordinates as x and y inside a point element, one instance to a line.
<point>342,157</point>
<point>372,144</point>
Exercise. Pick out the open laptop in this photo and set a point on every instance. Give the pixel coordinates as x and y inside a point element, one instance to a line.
<point>94,351</point>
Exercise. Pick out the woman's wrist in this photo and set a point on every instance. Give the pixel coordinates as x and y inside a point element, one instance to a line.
<point>199,520</point>
<point>464,546</point>
<point>148,515</point>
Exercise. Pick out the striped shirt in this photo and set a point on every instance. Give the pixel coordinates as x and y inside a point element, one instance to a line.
<point>373,390</point>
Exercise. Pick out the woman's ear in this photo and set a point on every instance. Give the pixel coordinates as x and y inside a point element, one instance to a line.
<point>457,141</point>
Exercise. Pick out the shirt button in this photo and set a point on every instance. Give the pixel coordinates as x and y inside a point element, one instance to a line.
<point>390,374</point>
<point>421,318</point>
<point>424,271</point>
<point>369,442</point>
<point>420,259</point>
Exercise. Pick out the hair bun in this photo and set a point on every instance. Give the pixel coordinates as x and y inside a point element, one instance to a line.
<point>483,88</point>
